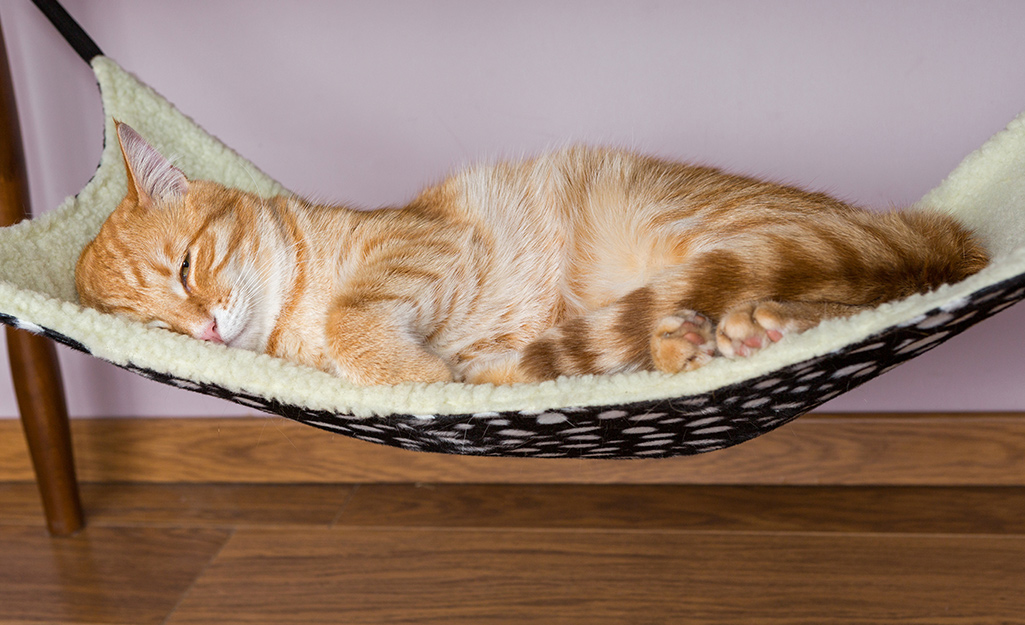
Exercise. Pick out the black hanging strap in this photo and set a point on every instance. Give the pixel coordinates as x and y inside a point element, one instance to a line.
<point>69,29</point>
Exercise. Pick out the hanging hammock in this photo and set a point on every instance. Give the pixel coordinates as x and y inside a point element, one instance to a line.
<point>619,416</point>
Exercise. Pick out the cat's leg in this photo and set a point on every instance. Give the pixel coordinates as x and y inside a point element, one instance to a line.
<point>639,331</point>
<point>749,327</point>
<point>642,332</point>
<point>372,343</point>
<point>501,368</point>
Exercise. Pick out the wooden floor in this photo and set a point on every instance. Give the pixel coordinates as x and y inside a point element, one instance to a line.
<point>232,553</point>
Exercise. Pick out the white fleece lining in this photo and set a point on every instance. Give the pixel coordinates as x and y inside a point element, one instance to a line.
<point>37,259</point>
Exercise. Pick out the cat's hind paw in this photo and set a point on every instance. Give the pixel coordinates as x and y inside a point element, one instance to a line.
<point>682,342</point>
<point>749,328</point>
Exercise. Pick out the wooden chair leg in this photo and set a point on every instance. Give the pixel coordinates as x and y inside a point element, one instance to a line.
<point>37,381</point>
<point>44,417</point>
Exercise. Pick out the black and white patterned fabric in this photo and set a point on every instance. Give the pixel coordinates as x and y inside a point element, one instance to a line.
<point>674,426</point>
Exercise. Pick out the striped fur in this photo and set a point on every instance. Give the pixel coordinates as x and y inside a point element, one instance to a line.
<point>584,261</point>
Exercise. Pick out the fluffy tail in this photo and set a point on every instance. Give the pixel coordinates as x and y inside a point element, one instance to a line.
<point>924,250</point>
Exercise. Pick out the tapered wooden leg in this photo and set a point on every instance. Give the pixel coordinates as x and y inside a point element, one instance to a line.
<point>37,380</point>
<point>44,416</point>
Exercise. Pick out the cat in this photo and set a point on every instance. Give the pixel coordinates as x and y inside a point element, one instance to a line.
<point>582,261</point>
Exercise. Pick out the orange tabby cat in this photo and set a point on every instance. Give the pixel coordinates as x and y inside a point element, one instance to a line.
<point>585,261</point>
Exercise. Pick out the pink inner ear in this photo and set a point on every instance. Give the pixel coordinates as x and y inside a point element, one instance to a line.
<point>154,175</point>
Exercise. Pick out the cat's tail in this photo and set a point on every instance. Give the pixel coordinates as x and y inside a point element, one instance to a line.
<point>910,252</point>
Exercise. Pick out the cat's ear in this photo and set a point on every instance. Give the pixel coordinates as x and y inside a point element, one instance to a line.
<point>151,177</point>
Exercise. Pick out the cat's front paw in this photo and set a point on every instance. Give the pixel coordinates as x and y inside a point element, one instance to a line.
<point>682,342</point>
<point>749,328</point>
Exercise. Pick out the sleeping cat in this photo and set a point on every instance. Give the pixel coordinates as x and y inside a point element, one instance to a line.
<point>584,261</point>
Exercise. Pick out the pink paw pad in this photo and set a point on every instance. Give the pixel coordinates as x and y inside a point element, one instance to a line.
<point>746,330</point>
<point>682,342</point>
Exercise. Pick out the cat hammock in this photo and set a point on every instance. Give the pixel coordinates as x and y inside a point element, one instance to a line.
<point>631,415</point>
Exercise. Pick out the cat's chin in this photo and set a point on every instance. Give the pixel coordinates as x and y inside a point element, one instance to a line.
<point>246,337</point>
<point>238,340</point>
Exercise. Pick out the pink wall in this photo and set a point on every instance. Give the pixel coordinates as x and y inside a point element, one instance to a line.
<point>367,101</point>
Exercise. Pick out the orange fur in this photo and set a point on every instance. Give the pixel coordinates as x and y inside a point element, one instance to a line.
<point>584,261</point>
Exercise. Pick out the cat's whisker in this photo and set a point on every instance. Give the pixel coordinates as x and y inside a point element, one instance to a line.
<point>248,168</point>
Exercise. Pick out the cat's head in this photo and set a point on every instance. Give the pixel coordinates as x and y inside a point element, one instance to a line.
<point>169,254</point>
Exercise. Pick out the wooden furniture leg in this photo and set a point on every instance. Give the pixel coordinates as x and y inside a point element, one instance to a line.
<point>34,368</point>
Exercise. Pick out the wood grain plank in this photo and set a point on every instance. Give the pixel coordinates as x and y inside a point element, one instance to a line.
<point>101,575</point>
<point>190,505</point>
<point>20,504</point>
<point>978,510</point>
<point>424,576</point>
<point>969,449</point>
<point>969,510</point>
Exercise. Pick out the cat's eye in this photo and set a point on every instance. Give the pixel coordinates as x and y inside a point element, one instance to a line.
<point>184,272</point>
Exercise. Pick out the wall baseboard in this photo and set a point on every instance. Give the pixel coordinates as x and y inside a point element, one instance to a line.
<point>863,449</point>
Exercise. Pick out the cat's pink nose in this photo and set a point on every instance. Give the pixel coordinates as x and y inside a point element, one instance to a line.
<point>211,334</point>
